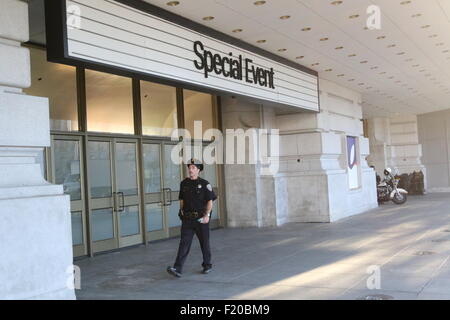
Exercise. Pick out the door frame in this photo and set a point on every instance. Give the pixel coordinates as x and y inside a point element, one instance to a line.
<point>117,241</point>
<point>76,205</point>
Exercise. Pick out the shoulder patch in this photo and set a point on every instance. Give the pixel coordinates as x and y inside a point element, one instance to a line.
<point>209,187</point>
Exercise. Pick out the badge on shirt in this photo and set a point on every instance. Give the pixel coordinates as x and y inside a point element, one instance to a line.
<point>209,187</point>
<point>199,186</point>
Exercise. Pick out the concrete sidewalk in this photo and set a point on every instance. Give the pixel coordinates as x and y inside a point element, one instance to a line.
<point>410,243</point>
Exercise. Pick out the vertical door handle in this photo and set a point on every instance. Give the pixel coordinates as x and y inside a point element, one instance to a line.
<point>167,201</point>
<point>122,209</point>
<point>162,203</point>
<point>114,194</point>
<point>170,197</point>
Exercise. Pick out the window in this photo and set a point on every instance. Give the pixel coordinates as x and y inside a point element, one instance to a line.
<point>159,109</point>
<point>58,83</point>
<point>198,106</point>
<point>109,103</point>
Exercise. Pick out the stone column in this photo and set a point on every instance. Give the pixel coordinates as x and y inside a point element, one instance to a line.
<point>35,227</point>
<point>404,151</point>
<point>394,143</point>
<point>313,161</point>
<point>378,129</point>
<point>250,197</point>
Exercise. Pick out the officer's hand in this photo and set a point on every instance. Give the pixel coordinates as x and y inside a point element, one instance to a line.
<point>180,214</point>
<point>205,219</point>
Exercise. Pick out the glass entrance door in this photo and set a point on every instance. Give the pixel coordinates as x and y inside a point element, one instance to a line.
<point>161,186</point>
<point>115,218</point>
<point>66,170</point>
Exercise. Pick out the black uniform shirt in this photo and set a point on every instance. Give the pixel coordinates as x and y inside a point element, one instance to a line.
<point>195,194</point>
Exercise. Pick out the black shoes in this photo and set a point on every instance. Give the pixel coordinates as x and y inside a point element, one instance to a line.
<point>172,271</point>
<point>206,270</point>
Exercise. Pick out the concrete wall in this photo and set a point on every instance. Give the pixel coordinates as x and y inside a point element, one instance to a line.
<point>434,136</point>
<point>394,143</point>
<point>313,160</point>
<point>312,182</point>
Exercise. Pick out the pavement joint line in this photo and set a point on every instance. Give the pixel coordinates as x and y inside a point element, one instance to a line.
<point>433,274</point>
<point>394,255</point>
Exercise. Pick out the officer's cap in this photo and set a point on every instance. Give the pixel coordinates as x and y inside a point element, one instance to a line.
<point>196,163</point>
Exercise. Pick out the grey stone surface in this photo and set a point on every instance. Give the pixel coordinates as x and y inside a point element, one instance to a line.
<point>294,261</point>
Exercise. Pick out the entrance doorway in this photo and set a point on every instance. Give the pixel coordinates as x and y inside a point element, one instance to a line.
<point>113,190</point>
<point>123,191</point>
<point>161,186</point>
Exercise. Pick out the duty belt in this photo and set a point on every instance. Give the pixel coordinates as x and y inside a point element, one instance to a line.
<point>192,215</point>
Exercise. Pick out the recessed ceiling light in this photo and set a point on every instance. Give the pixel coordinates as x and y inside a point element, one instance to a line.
<point>328,70</point>
<point>416,15</point>
<point>340,75</point>
<point>237,30</point>
<point>335,3</point>
<point>391,45</point>
<point>405,2</point>
<point>373,68</point>
<point>173,3</point>
<point>284,17</point>
<point>409,59</point>
<point>315,64</point>
<point>299,57</point>
<point>400,53</point>
<point>365,61</point>
<point>350,80</point>
<point>339,48</point>
<point>281,50</point>
<point>306,29</point>
<point>361,84</point>
<point>261,41</point>
<point>352,55</point>
<point>381,37</point>
<point>416,65</point>
<point>433,36</point>
<point>208,18</point>
<point>425,26</point>
<point>353,16</point>
<point>439,44</point>
<point>324,39</point>
<point>384,72</point>
<point>259,3</point>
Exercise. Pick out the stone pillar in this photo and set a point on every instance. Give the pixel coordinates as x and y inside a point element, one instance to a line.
<point>394,143</point>
<point>312,182</point>
<point>378,129</point>
<point>313,162</point>
<point>404,151</point>
<point>35,229</point>
<point>250,197</point>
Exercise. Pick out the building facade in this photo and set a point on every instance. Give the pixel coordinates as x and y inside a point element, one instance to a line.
<point>89,105</point>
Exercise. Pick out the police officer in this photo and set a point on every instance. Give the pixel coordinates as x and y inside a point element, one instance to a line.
<point>196,200</point>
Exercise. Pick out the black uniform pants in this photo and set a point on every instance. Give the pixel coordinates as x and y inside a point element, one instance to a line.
<point>188,229</point>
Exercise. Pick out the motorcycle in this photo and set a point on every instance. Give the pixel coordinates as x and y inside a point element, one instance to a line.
<point>388,190</point>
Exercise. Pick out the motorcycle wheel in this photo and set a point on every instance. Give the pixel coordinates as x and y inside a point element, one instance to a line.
<point>399,200</point>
